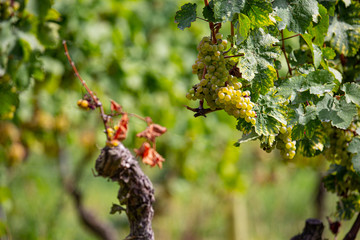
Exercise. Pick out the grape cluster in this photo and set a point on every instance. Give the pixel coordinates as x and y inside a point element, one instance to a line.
<point>285,144</point>
<point>8,9</point>
<point>339,141</point>
<point>219,89</point>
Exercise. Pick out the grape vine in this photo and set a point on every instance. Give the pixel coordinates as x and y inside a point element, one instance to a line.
<point>302,99</point>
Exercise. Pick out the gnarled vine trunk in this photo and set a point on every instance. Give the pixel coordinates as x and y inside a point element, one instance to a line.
<point>136,191</point>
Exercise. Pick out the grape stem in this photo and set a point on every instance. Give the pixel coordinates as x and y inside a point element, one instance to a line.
<point>211,25</point>
<point>284,51</point>
<point>200,111</point>
<point>202,19</point>
<point>238,55</point>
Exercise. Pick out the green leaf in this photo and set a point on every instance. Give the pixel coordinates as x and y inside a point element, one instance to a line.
<point>296,15</point>
<point>259,53</point>
<point>328,53</point>
<point>258,12</point>
<point>49,34</point>
<point>319,82</point>
<point>242,25</point>
<point>9,100</point>
<point>318,31</point>
<point>289,87</point>
<point>244,126</point>
<point>354,147</point>
<point>266,125</point>
<point>340,113</point>
<point>226,9</point>
<point>274,106</point>
<point>313,146</point>
<point>344,30</point>
<point>352,92</point>
<point>39,8</point>
<point>263,81</point>
<point>315,50</point>
<point>208,12</point>
<point>247,137</point>
<point>186,15</point>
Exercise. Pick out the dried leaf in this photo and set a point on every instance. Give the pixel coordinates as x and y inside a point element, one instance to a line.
<point>121,132</point>
<point>152,131</point>
<point>149,155</point>
<point>115,107</point>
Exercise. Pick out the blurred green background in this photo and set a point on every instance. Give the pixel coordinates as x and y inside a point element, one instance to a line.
<point>133,53</point>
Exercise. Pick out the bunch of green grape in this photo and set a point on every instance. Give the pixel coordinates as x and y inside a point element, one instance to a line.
<point>8,9</point>
<point>285,144</point>
<point>339,141</point>
<point>217,87</point>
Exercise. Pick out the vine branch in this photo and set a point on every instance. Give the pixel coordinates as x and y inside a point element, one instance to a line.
<point>97,102</point>
<point>284,52</point>
<point>351,235</point>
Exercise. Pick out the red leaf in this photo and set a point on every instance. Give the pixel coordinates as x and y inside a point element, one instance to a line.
<point>152,131</point>
<point>116,107</point>
<point>149,155</point>
<point>121,132</point>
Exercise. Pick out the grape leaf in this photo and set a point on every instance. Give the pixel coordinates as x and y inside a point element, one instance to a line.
<point>226,9</point>
<point>186,15</point>
<point>259,53</point>
<point>339,112</point>
<point>274,106</point>
<point>290,86</point>
<point>312,146</point>
<point>208,12</point>
<point>266,125</point>
<point>354,147</point>
<point>244,126</point>
<point>344,30</point>
<point>318,31</point>
<point>296,15</point>
<point>318,82</point>
<point>315,50</point>
<point>328,53</point>
<point>39,8</point>
<point>242,25</point>
<point>263,81</point>
<point>352,92</point>
<point>258,12</point>
<point>8,98</point>
<point>246,138</point>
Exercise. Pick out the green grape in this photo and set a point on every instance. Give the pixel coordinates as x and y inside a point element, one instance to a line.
<point>220,89</point>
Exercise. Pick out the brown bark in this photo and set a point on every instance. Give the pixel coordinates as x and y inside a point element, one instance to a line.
<point>136,192</point>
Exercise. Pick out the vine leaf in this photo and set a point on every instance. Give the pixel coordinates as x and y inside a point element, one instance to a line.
<point>242,26</point>
<point>315,50</point>
<point>39,8</point>
<point>208,12</point>
<point>313,146</point>
<point>354,147</point>
<point>259,53</point>
<point>339,112</point>
<point>263,81</point>
<point>352,92</point>
<point>296,15</point>
<point>186,15</point>
<point>226,9</point>
<point>246,138</point>
<point>344,30</point>
<point>258,12</point>
<point>319,82</point>
<point>318,31</point>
